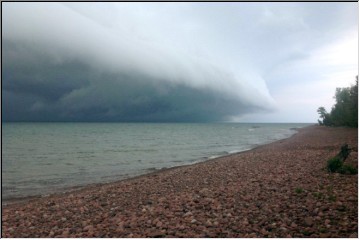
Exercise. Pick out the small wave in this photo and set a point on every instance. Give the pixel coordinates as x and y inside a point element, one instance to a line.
<point>151,169</point>
<point>253,128</point>
<point>130,150</point>
<point>224,153</point>
<point>177,161</point>
<point>9,188</point>
<point>234,151</point>
<point>50,181</point>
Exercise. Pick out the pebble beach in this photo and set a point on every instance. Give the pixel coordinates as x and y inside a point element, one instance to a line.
<point>281,189</point>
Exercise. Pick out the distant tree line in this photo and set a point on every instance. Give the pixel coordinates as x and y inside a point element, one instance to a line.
<point>345,110</point>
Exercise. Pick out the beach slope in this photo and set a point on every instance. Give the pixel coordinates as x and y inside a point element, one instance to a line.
<point>277,190</point>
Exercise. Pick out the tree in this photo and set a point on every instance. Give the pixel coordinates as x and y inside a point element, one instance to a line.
<point>341,112</point>
<point>354,103</point>
<point>324,116</point>
<point>345,110</point>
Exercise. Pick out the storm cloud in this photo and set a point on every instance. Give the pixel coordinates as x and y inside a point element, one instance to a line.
<point>43,90</point>
<point>148,62</point>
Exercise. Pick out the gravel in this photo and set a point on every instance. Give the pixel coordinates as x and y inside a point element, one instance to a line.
<point>277,190</point>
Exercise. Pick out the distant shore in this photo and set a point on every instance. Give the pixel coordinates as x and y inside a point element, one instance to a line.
<point>281,189</point>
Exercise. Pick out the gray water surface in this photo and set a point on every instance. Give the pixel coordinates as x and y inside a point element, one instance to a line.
<point>41,158</point>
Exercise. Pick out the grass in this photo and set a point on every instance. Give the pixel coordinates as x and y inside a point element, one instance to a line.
<point>341,208</point>
<point>329,188</point>
<point>332,198</point>
<point>318,195</point>
<point>348,169</point>
<point>306,233</point>
<point>335,164</point>
<point>299,190</point>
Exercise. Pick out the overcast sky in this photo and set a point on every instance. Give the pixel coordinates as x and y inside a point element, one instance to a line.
<point>186,62</point>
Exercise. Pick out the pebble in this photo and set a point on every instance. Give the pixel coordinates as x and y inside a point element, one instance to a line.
<point>65,233</point>
<point>308,221</point>
<point>187,214</point>
<point>88,228</point>
<point>159,224</point>
<point>156,234</point>
<point>353,235</point>
<point>264,232</point>
<point>208,223</point>
<point>253,235</point>
<point>316,211</point>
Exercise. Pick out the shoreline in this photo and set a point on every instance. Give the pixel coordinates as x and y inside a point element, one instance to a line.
<point>72,189</point>
<point>280,189</point>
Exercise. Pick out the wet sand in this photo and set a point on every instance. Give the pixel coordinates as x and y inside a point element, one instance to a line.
<point>277,190</point>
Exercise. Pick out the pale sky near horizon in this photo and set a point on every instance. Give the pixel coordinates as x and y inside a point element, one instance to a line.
<point>176,62</point>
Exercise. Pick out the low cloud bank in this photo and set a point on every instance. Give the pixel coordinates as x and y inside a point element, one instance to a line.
<point>60,65</point>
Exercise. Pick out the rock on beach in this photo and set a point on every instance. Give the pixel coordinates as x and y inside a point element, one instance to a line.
<point>277,190</point>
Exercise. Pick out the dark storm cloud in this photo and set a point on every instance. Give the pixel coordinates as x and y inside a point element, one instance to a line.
<point>54,71</point>
<point>169,61</point>
<point>27,71</point>
<point>38,88</point>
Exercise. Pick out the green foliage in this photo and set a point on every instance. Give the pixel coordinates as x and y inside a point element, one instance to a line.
<point>332,198</point>
<point>306,233</point>
<point>344,152</point>
<point>334,164</point>
<point>318,195</point>
<point>345,110</point>
<point>348,169</point>
<point>341,208</point>
<point>325,116</point>
<point>299,190</point>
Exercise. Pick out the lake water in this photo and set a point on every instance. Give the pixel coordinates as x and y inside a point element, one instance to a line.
<point>41,158</point>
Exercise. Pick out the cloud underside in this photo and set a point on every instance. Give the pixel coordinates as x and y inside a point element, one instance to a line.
<point>171,62</point>
<point>38,88</point>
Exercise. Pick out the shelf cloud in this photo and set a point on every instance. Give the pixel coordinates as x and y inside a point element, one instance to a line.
<point>143,62</point>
